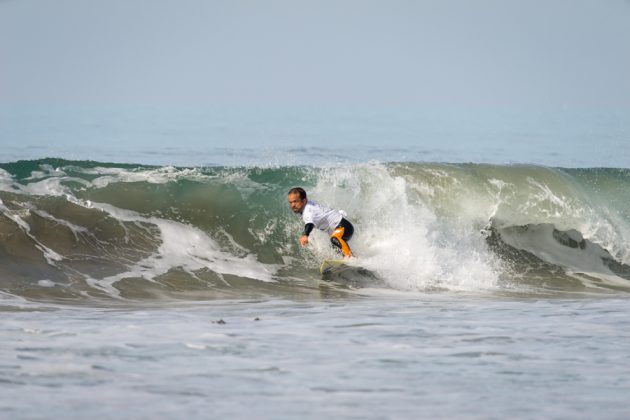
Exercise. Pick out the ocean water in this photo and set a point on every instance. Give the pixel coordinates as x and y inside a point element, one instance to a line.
<point>151,265</point>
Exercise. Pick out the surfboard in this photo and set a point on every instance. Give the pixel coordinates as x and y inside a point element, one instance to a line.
<point>332,266</point>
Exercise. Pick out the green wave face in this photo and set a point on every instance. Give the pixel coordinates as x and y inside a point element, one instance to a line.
<point>76,231</point>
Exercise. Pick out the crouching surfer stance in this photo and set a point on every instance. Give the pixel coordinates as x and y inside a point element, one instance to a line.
<point>323,218</point>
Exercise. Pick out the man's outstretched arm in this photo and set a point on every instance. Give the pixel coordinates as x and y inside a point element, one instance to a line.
<point>308,228</point>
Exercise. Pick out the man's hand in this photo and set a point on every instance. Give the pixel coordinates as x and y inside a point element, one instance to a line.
<point>303,240</point>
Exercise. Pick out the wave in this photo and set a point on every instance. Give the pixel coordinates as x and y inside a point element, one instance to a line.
<point>75,230</point>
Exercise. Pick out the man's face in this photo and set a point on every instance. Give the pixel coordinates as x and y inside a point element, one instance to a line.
<point>297,204</point>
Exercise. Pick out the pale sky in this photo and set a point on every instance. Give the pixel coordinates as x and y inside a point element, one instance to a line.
<point>446,53</point>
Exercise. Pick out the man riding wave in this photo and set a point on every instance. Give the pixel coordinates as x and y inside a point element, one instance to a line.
<point>323,218</point>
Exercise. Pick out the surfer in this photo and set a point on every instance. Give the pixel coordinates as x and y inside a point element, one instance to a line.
<point>323,218</point>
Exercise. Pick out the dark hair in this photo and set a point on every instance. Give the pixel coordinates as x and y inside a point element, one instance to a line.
<point>298,190</point>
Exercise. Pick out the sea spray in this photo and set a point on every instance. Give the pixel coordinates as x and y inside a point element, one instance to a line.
<point>400,238</point>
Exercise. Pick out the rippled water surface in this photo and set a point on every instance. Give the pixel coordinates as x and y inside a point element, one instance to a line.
<point>430,356</point>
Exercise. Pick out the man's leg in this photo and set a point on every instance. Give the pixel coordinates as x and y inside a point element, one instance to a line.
<point>340,237</point>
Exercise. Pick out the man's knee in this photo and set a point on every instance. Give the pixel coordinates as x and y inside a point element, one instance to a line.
<point>340,244</point>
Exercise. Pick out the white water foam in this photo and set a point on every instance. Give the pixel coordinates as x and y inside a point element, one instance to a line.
<point>399,238</point>
<point>184,247</point>
<point>160,175</point>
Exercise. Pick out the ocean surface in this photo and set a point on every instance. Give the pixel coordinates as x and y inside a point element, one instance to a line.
<point>150,265</point>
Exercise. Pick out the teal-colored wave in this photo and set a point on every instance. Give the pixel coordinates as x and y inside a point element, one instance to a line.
<point>82,229</point>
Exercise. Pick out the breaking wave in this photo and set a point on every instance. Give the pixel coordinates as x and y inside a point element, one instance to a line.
<point>76,230</point>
